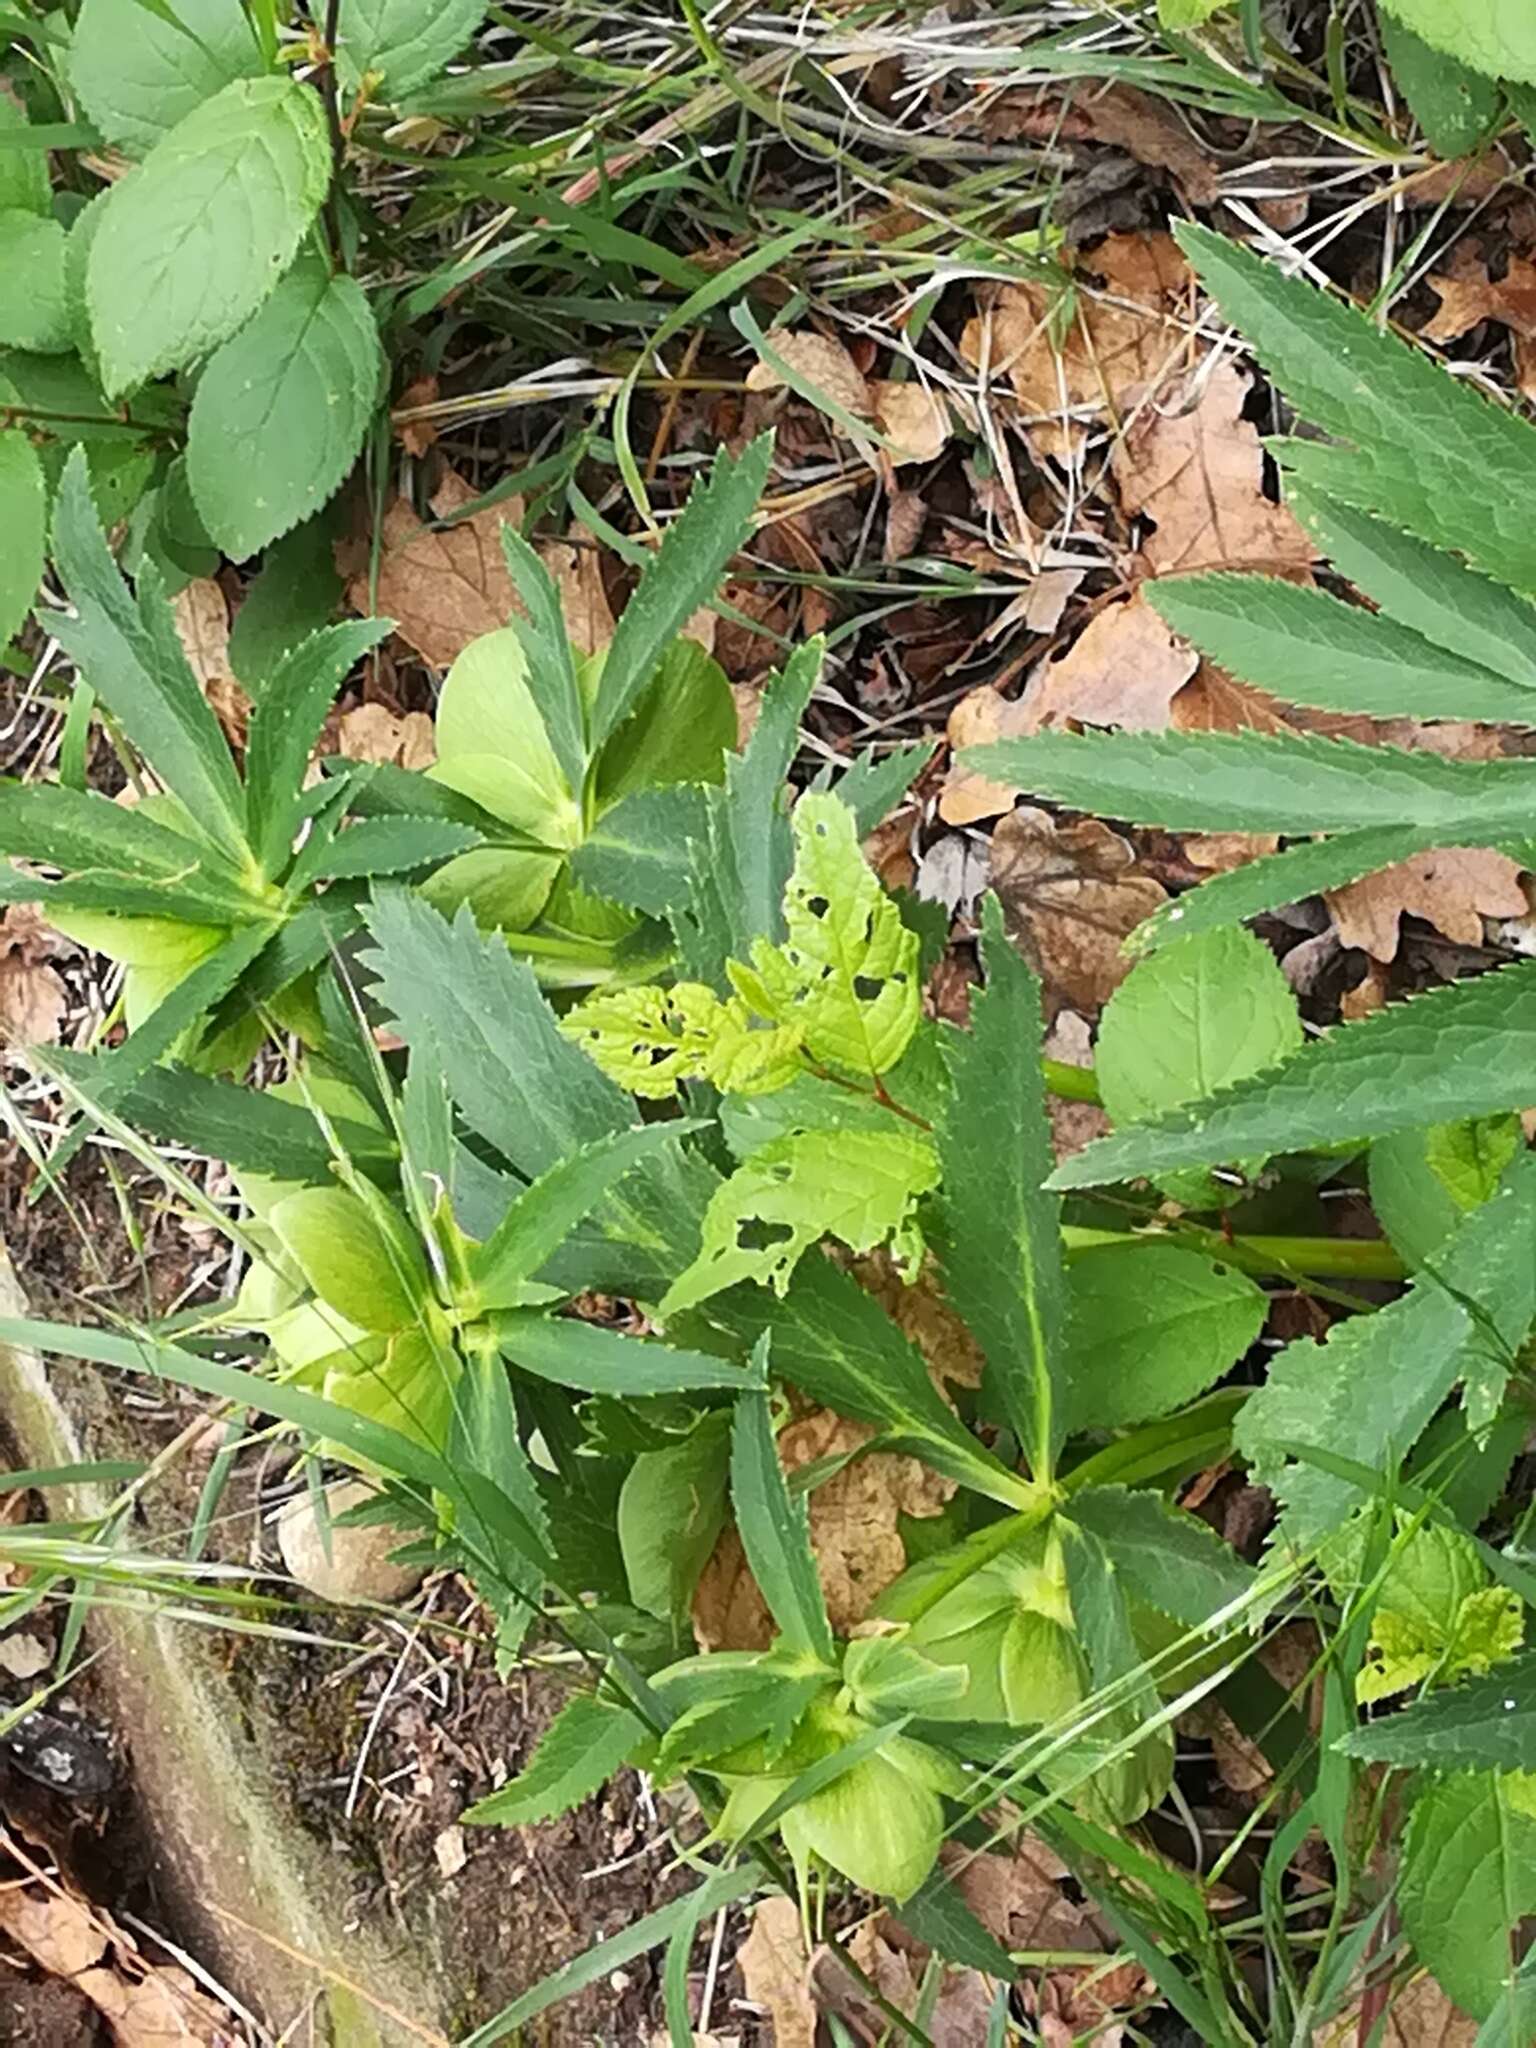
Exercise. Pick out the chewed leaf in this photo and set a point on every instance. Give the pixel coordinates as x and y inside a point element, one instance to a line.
<point>847,975</point>
<point>651,1039</point>
<point>857,1186</point>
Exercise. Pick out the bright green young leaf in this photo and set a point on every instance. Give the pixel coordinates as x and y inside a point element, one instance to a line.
<point>1492,35</point>
<point>650,1040</point>
<point>504,888</point>
<point>775,1530</point>
<point>1487,1725</point>
<point>24,522</point>
<point>1001,1237</point>
<point>1467,1878</point>
<point>1179,16</point>
<point>402,43</point>
<point>374,1279</point>
<point>281,409</point>
<point>1455,107</point>
<point>1166,1558</point>
<point>671,1510</point>
<point>847,975</point>
<point>140,66</point>
<point>1312,649</point>
<point>1153,1326</point>
<point>1488,1629</point>
<point>1468,1050</point>
<point>1425,450</point>
<point>856,1186</point>
<point>492,745</point>
<point>193,241</point>
<point>34,313</point>
<point>578,1753</point>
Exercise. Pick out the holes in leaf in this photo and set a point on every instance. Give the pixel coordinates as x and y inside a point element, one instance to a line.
<point>818,906</point>
<point>754,1235</point>
<point>866,987</point>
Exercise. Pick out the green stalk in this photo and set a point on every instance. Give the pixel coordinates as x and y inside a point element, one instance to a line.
<point>1306,1258</point>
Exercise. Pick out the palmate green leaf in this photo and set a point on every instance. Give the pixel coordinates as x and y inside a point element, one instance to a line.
<point>857,1186</point>
<point>1467,1878</point>
<point>1425,451</point>
<point>290,710</point>
<point>639,852</point>
<point>1329,1395</point>
<point>1424,588</point>
<point>23,168</point>
<point>1486,1725</point>
<point>1492,35</point>
<point>281,409</point>
<point>578,1753</point>
<point>35,311</point>
<point>1455,107</point>
<point>1251,782</point>
<point>140,66</point>
<point>1305,870</point>
<point>24,522</point>
<point>1126,1781</point>
<point>680,731</point>
<point>775,1530</point>
<point>650,1040</point>
<point>1309,648</point>
<point>402,43</point>
<point>493,746</point>
<point>1166,1558</point>
<point>194,239</point>
<point>683,575</point>
<point>1152,1327</point>
<point>127,649</point>
<point>846,976</point>
<point>1462,1051</point>
<point>1001,1236</point>
<point>593,1360</point>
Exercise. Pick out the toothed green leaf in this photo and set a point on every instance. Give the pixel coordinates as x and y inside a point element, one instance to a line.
<point>578,1753</point>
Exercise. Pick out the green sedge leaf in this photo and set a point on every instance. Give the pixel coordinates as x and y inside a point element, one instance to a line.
<point>35,314</point>
<point>1153,1326</point>
<point>192,241</point>
<point>309,360</point>
<point>1468,1877</point>
<point>683,575</point>
<point>290,710</point>
<point>1488,1724</point>
<point>492,745</point>
<point>374,1278</point>
<point>578,1753</point>
<point>1001,1236</point>
<point>775,1529</point>
<point>1492,35</point>
<point>1166,1558</point>
<point>671,1511</point>
<point>140,68</point>
<point>598,1361</point>
<point>128,650</point>
<point>1425,450</point>
<point>402,43</point>
<point>856,1186</point>
<point>1308,648</point>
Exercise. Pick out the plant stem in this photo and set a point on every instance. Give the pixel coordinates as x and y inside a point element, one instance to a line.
<point>325,85</point>
<point>1072,1084</point>
<point>1313,1258</point>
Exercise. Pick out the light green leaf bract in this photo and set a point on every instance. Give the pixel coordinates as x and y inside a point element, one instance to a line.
<point>140,66</point>
<point>1250,782</point>
<point>671,1511</point>
<point>24,522</point>
<point>1468,1877</point>
<point>593,1360</point>
<point>1153,1326</point>
<point>281,410</point>
<point>775,1530</point>
<point>402,42</point>
<point>579,1752</point>
<point>1312,649</point>
<point>1489,1724</point>
<point>194,239</point>
<point>1425,450</point>
<point>1463,1051</point>
<point>855,1185</point>
<point>1492,35</point>
<point>1001,1244</point>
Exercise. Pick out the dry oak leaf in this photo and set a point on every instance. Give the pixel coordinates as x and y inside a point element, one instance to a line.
<point>1071,894</point>
<point>59,1933</point>
<point>1196,466</point>
<point>1468,296</point>
<point>1123,117</point>
<point>822,362</point>
<point>33,998</point>
<point>855,1534</point>
<point>1124,668</point>
<point>373,733</point>
<point>442,588</point>
<point>980,717</point>
<point>202,626</point>
<point>1119,344</point>
<point>775,1972</point>
<point>1452,888</point>
<point>914,418</point>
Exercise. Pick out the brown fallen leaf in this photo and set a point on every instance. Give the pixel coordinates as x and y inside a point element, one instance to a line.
<point>33,998</point>
<point>1073,1124</point>
<point>924,1318</point>
<point>1453,889</point>
<point>1418,2016</point>
<point>1196,466</point>
<point>914,417</point>
<point>202,626</point>
<point>822,362</point>
<point>1018,1895</point>
<point>1213,701</point>
<point>1122,116</point>
<point>373,733</point>
<point>162,2010</point>
<point>442,588</point>
<point>1219,852</point>
<point>416,436</point>
<point>906,514</point>
<point>1468,296</point>
<point>1121,341</point>
<point>578,572</point>
<point>775,1972</point>
<point>855,1532</point>
<point>1124,668</point>
<point>1071,894</point>
<point>59,1933</point>
<point>980,717</point>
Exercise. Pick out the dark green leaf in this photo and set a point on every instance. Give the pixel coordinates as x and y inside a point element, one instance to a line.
<point>774,1529</point>
<point>297,692</point>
